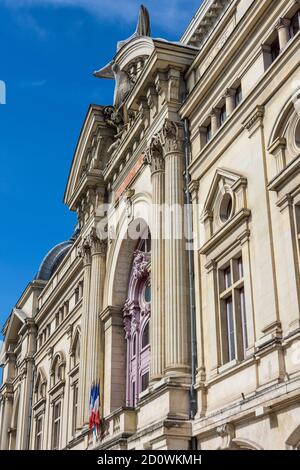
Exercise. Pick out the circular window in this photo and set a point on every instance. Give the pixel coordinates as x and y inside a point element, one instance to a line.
<point>226,207</point>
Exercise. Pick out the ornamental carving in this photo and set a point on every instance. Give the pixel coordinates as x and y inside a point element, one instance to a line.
<point>131,317</point>
<point>227,434</point>
<point>84,251</point>
<point>97,245</point>
<point>140,265</point>
<point>154,155</point>
<point>172,137</point>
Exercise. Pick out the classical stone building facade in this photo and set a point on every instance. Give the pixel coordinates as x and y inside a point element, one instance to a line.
<point>191,329</point>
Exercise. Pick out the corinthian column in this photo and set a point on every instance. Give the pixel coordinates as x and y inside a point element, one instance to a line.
<point>176,279</point>
<point>157,324</point>
<point>95,331</point>
<point>83,411</point>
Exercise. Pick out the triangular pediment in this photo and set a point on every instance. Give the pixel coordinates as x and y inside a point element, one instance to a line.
<point>222,180</point>
<point>15,322</point>
<point>90,155</point>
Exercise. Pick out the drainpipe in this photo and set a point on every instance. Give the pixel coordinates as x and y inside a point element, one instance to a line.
<point>192,307</point>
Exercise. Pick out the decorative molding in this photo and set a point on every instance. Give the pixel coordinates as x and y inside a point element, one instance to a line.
<point>84,251</point>
<point>174,85</point>
<point>97,245</point>
<point>128,195</point>
<point>152,99</point>
<point>242,216</point>
<point>140,268</point>
<point>283,23</point>
<point>171,137</point>
<point>289,173</point>
<point>154,155</point>
<point>227,434</point>
<point>254,120</point>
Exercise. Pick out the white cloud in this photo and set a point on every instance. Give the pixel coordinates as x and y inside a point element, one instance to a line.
<point>172,15</point>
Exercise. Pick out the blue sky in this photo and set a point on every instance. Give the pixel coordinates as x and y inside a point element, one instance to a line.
<point>49,49</point>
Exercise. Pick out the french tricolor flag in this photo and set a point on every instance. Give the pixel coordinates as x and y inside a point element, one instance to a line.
<point>95,410</point>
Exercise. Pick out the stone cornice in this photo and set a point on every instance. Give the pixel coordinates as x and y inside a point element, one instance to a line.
<point>242,216</point>
<point>254,120</point>
<point>179,56</point>
<point>112,315</point>
<point>212,151</point>
<point>290,172</point>
<point>240,33</point>
<point>204,21</point>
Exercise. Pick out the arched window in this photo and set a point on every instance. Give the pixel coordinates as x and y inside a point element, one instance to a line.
<point>75,348</point>
<point>40,386</point>
<point>137,322</point>
<point>57,369</point>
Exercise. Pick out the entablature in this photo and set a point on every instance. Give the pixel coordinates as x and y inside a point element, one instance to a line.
<point>204,21</point>
<point>157,95</point>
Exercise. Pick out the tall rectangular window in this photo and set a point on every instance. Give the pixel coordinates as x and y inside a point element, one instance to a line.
<point>223,115</point>
<point>38,433</point>
<point>208,133</point>
<point>56,424</point>
<point>75,408</point>
<point>234,330</point>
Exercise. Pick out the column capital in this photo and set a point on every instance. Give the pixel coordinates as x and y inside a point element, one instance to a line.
<point>154,155</point>
<point>283,23</point>
<point>97,246</point>
<point>229,92</point>
<point>215,112</point>
<point>171,136</point>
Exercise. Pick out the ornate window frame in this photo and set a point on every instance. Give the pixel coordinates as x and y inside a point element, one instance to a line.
<point>136,317</point>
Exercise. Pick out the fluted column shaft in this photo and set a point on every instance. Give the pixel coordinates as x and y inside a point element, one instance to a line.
<point>157,325</point>
<point>95,343</point>
<point>7,413</point>
<point>177,320</point>
<point>83,410</point>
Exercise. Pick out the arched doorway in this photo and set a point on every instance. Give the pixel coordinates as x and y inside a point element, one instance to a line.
<point>136,316</point>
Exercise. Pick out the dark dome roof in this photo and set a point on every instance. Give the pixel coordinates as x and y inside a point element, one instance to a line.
<point>52,260</point>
